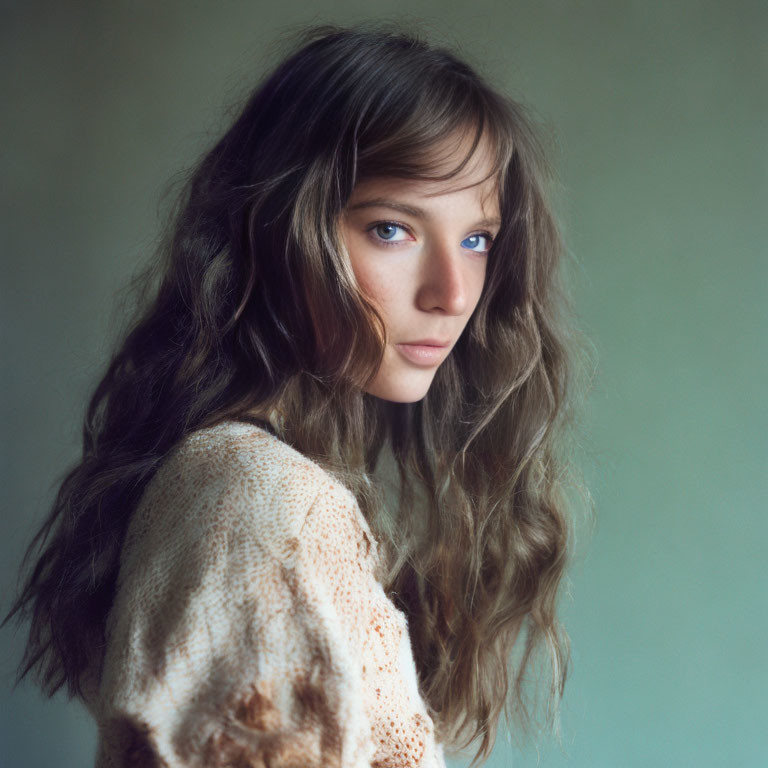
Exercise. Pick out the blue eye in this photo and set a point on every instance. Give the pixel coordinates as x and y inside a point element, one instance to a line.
<point>474,240</point>
<point>386,230</point>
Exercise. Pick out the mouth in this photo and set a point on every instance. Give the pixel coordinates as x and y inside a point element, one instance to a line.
<point>422,354</point>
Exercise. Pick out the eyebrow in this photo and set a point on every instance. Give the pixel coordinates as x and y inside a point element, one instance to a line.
<point>411,210</point>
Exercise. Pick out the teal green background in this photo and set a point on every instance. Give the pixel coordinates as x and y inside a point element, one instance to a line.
<point>660,113</point>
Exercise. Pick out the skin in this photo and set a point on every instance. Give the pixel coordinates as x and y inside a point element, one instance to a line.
<point>424,271</point>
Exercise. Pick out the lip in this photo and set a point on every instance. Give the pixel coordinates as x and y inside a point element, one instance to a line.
<point>428,343</point>
<point>423,353</point>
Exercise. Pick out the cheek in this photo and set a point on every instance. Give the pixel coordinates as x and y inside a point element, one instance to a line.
<point>480,285</point>
<point>380,285</point>
<point>476,281</point>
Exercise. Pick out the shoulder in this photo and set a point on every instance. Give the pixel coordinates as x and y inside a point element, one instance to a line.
<point>231,479</point>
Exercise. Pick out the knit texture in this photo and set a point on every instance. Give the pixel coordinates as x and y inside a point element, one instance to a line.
<point>248,627</point>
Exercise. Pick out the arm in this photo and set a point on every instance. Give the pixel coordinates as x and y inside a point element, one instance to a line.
<point>225,651</point>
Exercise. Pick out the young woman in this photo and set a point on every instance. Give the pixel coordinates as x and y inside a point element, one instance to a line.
<point>363,269</point>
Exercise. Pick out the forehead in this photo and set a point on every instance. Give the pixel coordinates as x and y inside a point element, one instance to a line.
<point>479,192</point>
<point>458,197</point>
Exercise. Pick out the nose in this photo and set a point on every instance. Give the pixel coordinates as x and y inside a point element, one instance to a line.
<point>443,279</point>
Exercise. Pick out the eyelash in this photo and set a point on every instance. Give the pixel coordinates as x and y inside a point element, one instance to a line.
<point>380,241</point>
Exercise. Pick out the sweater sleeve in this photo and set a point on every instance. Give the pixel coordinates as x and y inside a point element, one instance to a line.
<point>225,648</point>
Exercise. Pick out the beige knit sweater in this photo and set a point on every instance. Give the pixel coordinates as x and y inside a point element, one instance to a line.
<point>248,628</point>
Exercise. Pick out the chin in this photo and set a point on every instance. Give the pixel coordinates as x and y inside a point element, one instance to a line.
<point>400,391</point>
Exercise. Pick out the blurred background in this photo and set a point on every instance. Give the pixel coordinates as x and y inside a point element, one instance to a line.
<point>659,115</point>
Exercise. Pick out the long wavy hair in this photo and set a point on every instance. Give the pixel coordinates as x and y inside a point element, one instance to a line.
<point>249,306</point>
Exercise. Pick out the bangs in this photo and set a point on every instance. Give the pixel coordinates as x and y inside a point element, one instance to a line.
<point>434,136</point>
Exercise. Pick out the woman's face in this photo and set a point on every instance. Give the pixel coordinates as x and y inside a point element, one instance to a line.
<point>419,252</point>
